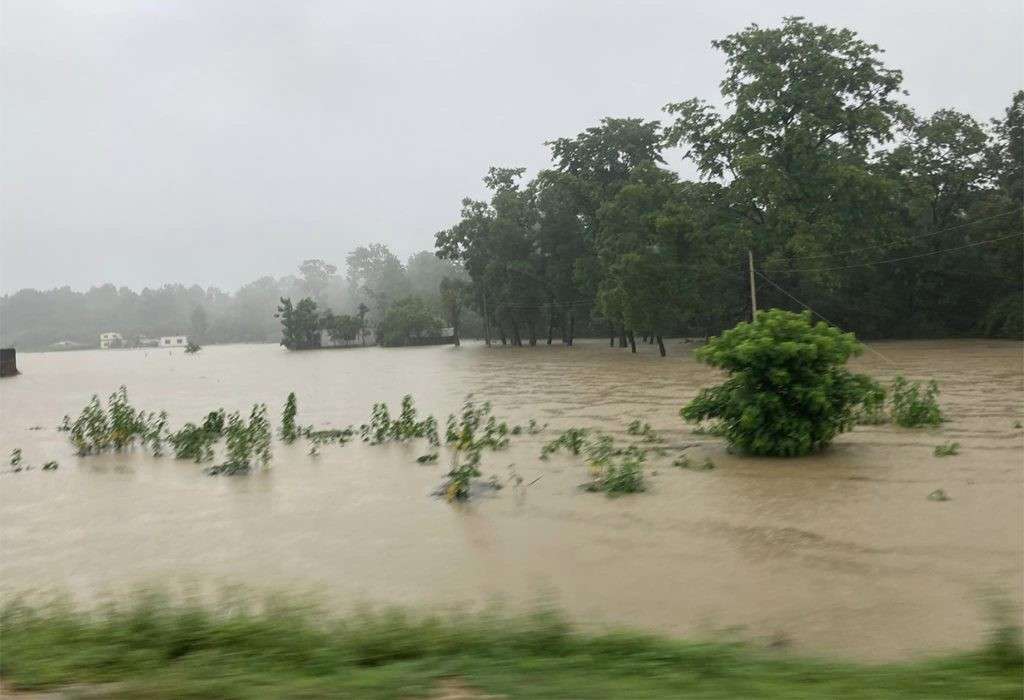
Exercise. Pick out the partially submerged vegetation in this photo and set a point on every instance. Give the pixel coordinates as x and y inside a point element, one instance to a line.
<point>18,464</point>
<point>151,645</point>
<point>684,462</point>
<point>914,406</point>
<point>947,449</point>
<point>118,427</point>
<point>248,443</point>
<point>788,393</point>
<point>746,418</point>
<point>196,442</point>
<point>613,469</point>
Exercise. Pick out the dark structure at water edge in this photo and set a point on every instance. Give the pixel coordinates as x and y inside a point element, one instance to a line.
<point>8,362</point>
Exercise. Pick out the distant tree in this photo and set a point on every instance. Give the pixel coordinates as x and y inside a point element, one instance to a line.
<point>641,245</point>
<point>453,297</point>
<point>300,324</point>
<point>316,275</point>
<point>376,277</point>
<point>341,327</point>
<point>408,319</point>
<point>199,322</point>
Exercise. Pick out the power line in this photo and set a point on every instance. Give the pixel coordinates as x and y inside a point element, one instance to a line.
<point>893,244</point>
<point>803,304</point>
<point>906,257</point>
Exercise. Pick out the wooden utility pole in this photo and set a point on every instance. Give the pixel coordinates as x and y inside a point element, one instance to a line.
<point>753,291</point>
<point>487,322</point>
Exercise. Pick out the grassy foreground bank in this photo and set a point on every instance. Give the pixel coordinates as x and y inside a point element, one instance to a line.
<point>152,646</point>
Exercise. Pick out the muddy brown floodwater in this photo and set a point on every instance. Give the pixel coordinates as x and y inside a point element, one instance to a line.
<point>839,553</point>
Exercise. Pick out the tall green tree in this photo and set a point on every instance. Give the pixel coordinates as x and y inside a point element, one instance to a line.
<point>300,324</point>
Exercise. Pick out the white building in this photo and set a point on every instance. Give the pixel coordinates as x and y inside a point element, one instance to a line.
<point>111,340</point>
<point>173,341</point>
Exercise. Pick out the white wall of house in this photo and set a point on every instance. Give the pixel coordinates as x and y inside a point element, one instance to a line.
<point>173,341</point>
<point>111,339</point>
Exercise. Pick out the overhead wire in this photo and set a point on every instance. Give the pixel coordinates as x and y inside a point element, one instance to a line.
<point>902,241</point>
<point>901,259</point>
<point>816,313</point>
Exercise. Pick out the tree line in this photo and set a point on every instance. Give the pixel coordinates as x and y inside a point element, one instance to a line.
<point>884,221</point>
<point>374,279</point>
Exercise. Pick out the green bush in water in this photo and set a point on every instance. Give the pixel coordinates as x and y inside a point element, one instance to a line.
<point>788,393</point>
<point>572,440</point>
<point>289,431</point>
<point>196,442</point>
<point>248,443</point>
<point>914,406</point>
<point>117,428</point>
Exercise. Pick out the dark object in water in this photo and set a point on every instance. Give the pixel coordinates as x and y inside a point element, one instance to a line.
<point>8,362</point>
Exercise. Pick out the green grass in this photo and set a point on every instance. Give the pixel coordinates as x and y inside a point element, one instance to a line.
<point>152,646</point>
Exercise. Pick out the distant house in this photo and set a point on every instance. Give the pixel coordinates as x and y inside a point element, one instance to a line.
<point>173,341</point>
<point>145,342</point>
<point>111,340</point>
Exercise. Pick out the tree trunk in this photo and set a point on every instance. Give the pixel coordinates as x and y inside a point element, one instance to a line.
<point>622,337</point>
<point>533,332</point>
<point>661,346</point>
<point>632,342</point>
<point>517,340</point>
<point>551,327</point>
<point>455,332</point>
<point>611,336</point>
<point>572,327</point>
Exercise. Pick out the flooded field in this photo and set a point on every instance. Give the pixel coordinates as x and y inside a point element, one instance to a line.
<point>839,553</point>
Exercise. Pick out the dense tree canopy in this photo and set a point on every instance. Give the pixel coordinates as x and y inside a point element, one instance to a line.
<point>885,221</point>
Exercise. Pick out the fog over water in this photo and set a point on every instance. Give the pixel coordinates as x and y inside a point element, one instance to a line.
<point>214,142</point>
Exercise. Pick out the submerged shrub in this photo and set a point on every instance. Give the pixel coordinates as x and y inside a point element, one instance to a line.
<point>683,462</point>
<point>289,433</point>
<point>382,428</point>
<point>787,393</point>
<point>196,442</point>
<point>914,406</point>
<point>872,410</point>
<point>119,427</point>
<point>377,430</point>
<point>642,429</point>
<point>613,470</point>
<point>248,443</point>
<point>571,440</point>
<point>947,449</point>
<point>625,477</point>
<point>468,435</point>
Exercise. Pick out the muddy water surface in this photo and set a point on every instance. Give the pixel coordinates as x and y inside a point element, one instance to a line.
<point>839,553</point>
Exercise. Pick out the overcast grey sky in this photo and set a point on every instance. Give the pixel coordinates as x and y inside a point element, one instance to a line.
<point>213,142</point>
